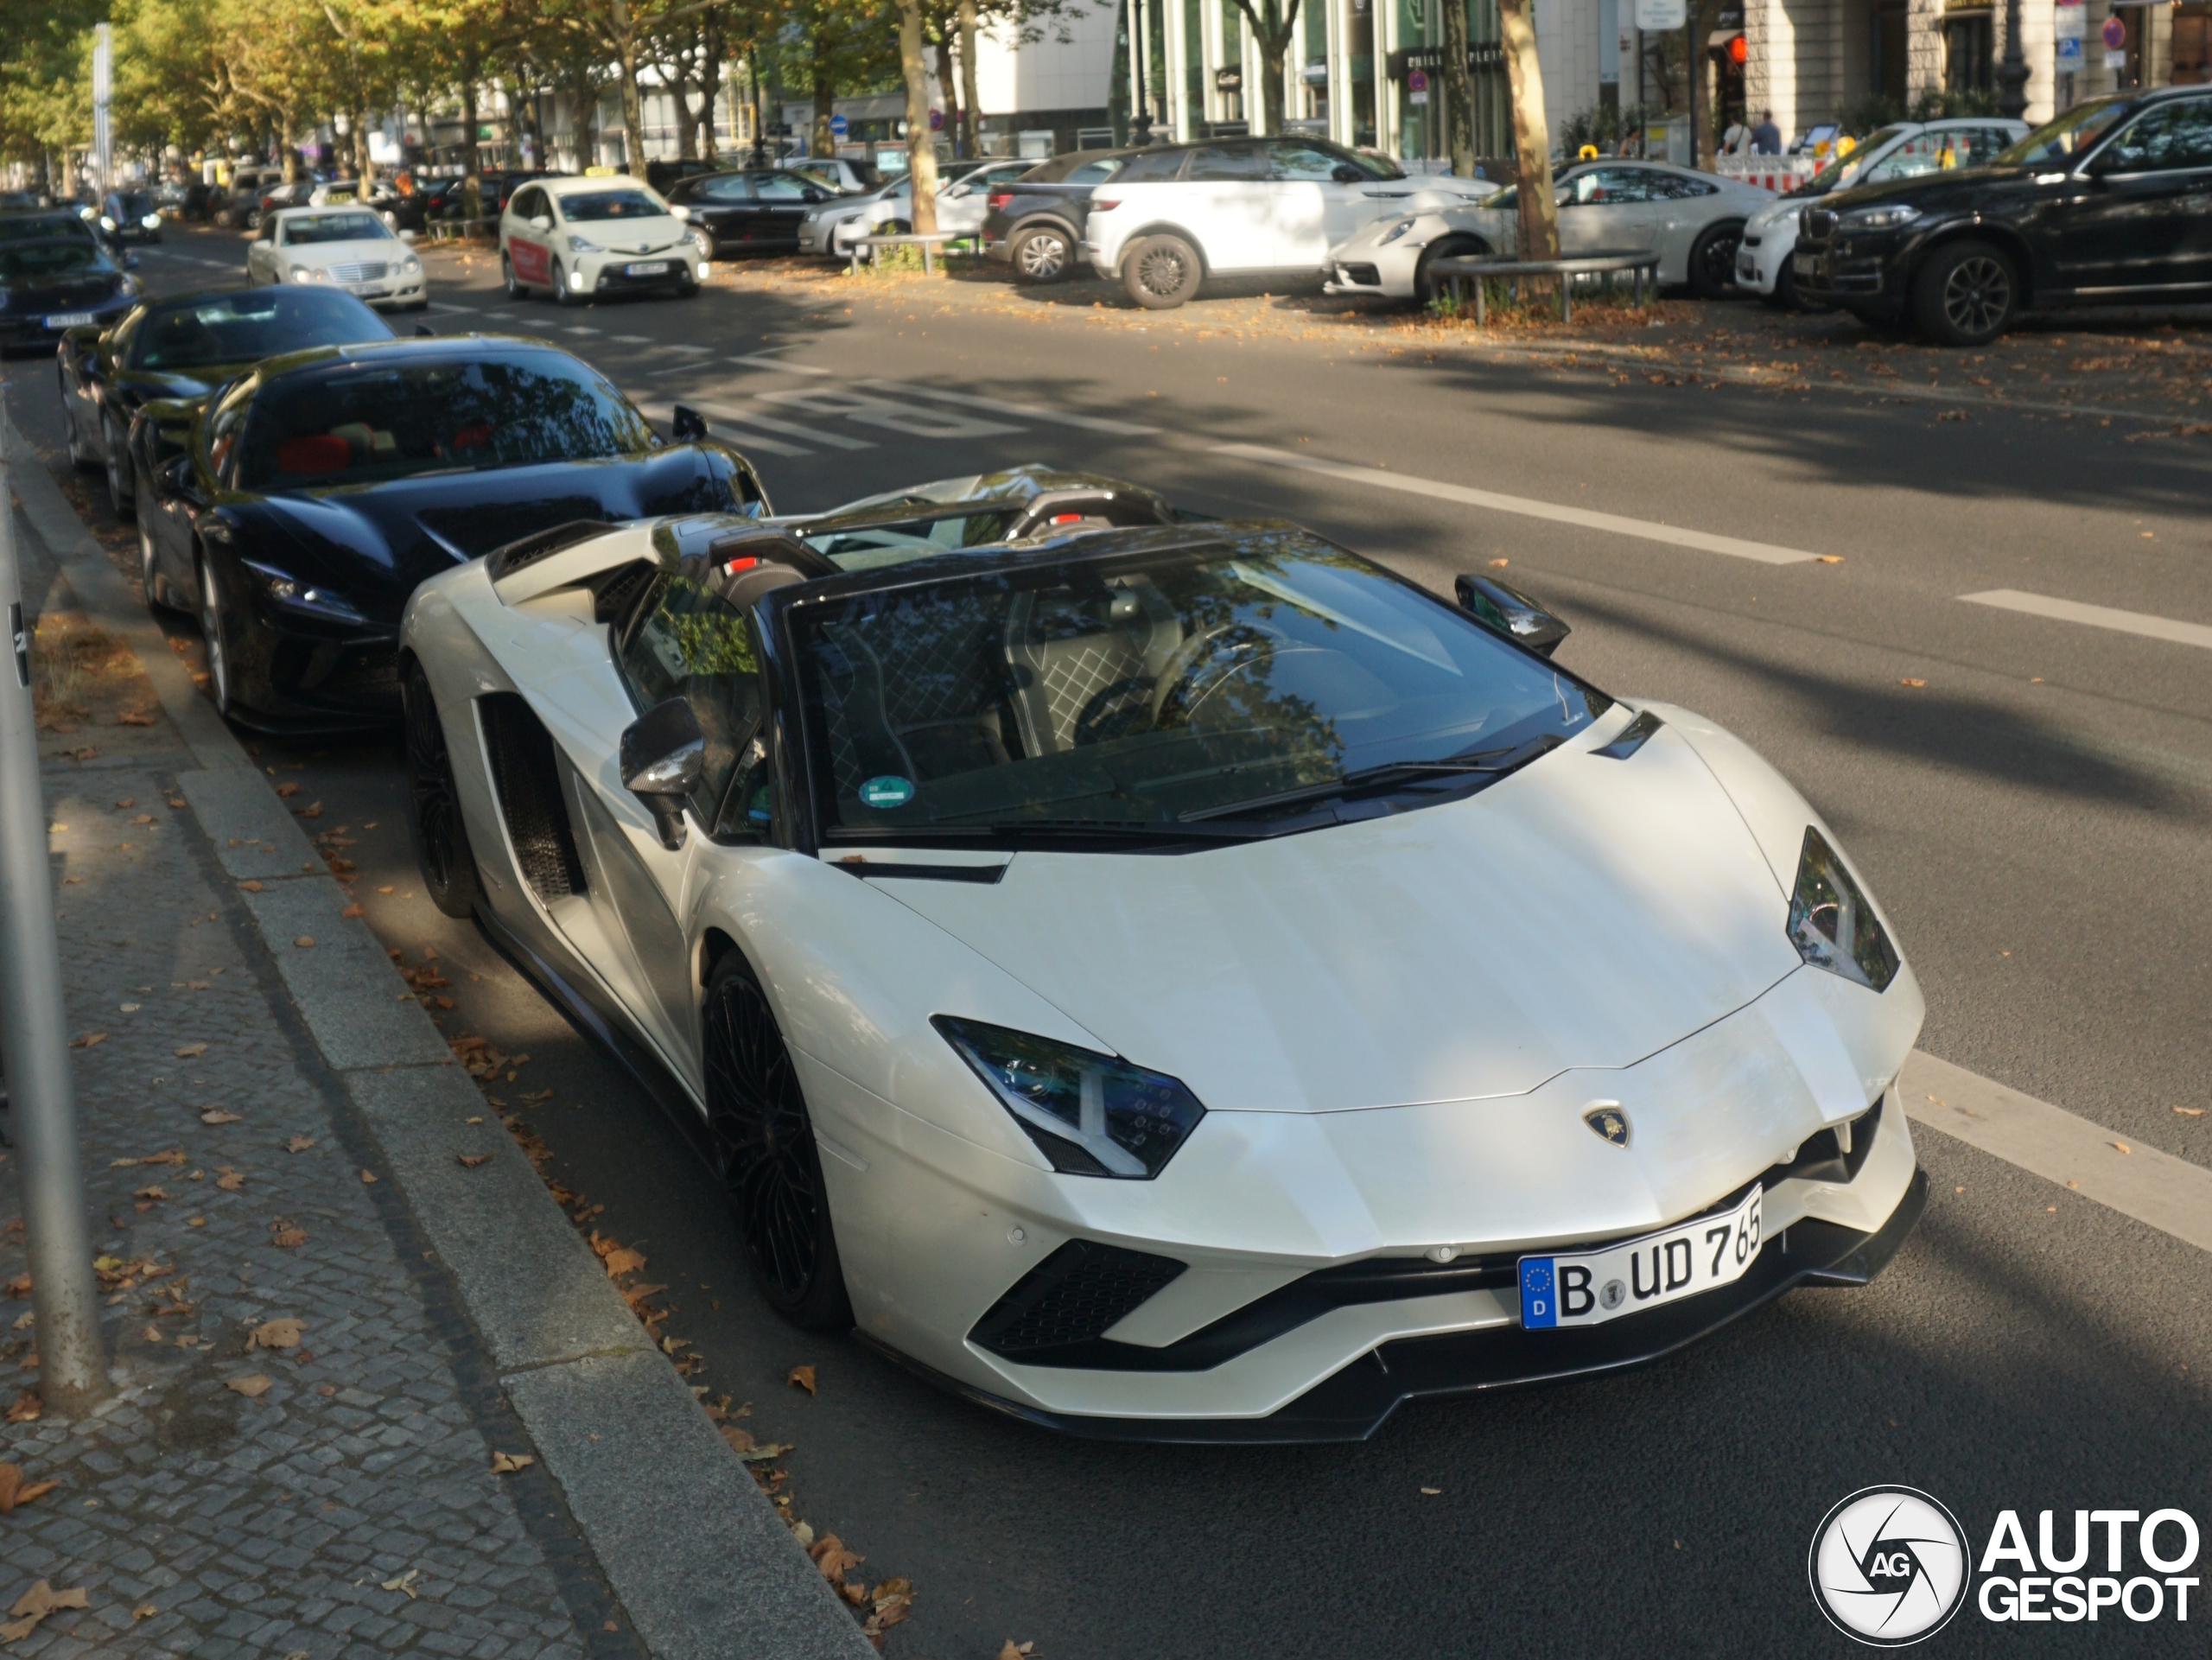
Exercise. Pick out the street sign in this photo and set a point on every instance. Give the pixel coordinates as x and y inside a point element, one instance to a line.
<point>1228,81</point>
<point>2115,33</point>
<point>2069,21</point>
<point>839,126</point>
<point>1657,16</point>
<point>1416,81</point>
<point>937,120</point>
<point>2069,53</point>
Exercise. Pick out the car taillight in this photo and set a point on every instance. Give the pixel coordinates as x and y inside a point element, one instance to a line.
<point>1101,207</point>
<point>999,198</point>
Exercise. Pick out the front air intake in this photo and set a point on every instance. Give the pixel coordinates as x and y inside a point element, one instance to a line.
<point>1070,1298</point>
<point>527,776</point>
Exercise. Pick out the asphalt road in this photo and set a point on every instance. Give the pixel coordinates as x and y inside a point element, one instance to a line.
<point>2033,817</point>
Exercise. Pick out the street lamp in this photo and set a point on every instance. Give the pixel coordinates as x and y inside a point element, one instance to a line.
<point>2012,74</point>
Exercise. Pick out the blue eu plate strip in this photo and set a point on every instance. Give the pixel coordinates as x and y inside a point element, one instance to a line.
<point>1539,1308</point>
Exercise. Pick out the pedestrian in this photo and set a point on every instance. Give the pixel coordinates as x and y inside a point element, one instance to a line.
<point>1766,137</point>
<point>1736,140</point>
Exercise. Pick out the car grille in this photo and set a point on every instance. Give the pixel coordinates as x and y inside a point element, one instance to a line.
<point>1365,276</point>
<point>1819,224</point>
<point>365,271</point>
<point>1071,1297</point>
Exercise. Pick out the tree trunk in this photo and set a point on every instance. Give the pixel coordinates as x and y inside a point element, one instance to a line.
<point>633,115</point>
<point>471,187</point>
<point>1705,18</point>
<point>949,89</point>
<point>584,116</point>
<point>824,142</point>
<point>291,152</point>
<point>687,125</point>
<point>710,81</point>
<point>970,120</point>
<point>1458,91</point>
<point>362,165</point>
<point>1532,143</point>
<point>921,150</point>
<point>1276,36</point>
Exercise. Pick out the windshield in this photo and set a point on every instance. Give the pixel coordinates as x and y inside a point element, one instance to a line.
<point>364,423</point>
<point>43,262</point>
<point>1155,690</point>
<point>47,227</point>
<point>247,327</point>
<point>2064,138</point>
<point>304,228</point>
<point>586,208</point>
<point>136,204</point>
<point>1842,169</point>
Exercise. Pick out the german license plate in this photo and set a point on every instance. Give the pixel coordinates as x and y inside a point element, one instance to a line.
<point>68,319</point>
<point>646,268</point>
<point>1590,1287</point>
<point>1803,264</point>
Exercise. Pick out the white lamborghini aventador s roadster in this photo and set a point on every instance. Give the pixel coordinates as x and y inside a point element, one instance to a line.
<point>1169,978</point>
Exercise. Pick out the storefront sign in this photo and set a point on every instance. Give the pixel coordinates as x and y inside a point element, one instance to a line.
<point>1481,55</point>
<point>1657,16</point>
<point>1228,81</point>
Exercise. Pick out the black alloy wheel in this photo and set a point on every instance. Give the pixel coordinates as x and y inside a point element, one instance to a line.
<point>121,496</point>
<point>434,820</point>
<point>1965,295</point>
<point>1713,260</point>
<point>1161,272</point>
<point>1041,254</point>
<point>158,597</point>
<point>214,636</point>
<point>773,1172</point>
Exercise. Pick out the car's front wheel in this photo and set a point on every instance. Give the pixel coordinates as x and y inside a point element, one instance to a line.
<point>774,1173</point>
<point>122,493</point>
<point>1161,272</point>
<point>158,597</point>
<point>434,820</point>
<point>1713,260</point>
<point>517,289</point>
<point>1428,287</point>
<point>1965,295</point>
<point>214,636</point>
<point>1041,254</point>
<point>560,295</point>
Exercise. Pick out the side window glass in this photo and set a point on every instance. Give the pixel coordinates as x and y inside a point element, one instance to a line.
<point>1226,163</point>
<point>2164,139</point>
<point>778,189</point>
<point>1308,162</point>
<point>1155,167</point>
<point>688,642</point>
<point>1094,172</point>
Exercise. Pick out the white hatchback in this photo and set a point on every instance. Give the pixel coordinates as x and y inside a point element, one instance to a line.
<point>350,248</point>
<point>1242,206</point>
<point>1894,152</point>
<point>587,238</point>
<point>961,206</point>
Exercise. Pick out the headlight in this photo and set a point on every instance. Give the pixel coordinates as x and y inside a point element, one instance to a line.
<point>1092,1114</point>
<point>150,221</point>
<point>310,274</point>
<point>285,589</point>
<point>1394,232</point>
<point>127,288</point>
<point>1879,218</point>
<point>106,224</point>
<point>1831,923</point>
<point>582,244</point>
<point>409,266</point>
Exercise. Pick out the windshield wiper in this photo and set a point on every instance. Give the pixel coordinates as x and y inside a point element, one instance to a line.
<point>1491,764</point>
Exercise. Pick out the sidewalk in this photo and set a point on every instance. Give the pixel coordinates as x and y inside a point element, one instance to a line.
<point>338,1298</point>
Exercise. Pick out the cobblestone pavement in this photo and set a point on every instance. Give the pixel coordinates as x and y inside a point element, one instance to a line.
<point>308,1493</point>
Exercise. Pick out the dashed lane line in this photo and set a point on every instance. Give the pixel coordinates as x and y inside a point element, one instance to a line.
<point>762,361</point>
<point>2096,616</point>
<point>439,305</point>
<point>580,329</point>
<point>694,350</point>
<point>746,418</point>
<point>631,340</point>
<point>1404,484</point>
<point>1027,411</point>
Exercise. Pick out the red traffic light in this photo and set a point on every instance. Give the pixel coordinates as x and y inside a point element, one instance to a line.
<point>1737,50</point>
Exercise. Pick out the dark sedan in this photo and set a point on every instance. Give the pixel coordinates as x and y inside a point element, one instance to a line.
<point>131,216</point>
<point>169,354</point>
<point>2109,204</point>
<point>1035,222</point>
<point>319,488</point>
<point>758,208</point>
<point>56,274</point>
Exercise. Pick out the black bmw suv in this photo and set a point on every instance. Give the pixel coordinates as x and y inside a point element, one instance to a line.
<point>1035,222</point>
<point>2111,204</point>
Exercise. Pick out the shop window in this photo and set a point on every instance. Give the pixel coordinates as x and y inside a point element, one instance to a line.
<point>1968,38</point>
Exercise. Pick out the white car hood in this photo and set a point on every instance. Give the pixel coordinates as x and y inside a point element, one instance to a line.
<point>654,235</point>
<point>1586,912</point>
<point>319,255</point>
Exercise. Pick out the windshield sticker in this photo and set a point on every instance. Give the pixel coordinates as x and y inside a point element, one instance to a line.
<point>886,792</point>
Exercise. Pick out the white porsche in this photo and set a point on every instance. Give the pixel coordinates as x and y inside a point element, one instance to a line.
<point>346,247</point>
<point>1168,978</point>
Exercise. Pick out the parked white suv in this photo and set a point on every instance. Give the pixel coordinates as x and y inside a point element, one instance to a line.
<point>1242,206</point>
<point>1898,152</point>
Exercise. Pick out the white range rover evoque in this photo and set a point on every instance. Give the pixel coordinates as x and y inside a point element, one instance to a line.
<point>1167,978</point>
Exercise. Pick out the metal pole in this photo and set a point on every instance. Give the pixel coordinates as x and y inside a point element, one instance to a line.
<point>2012,74</point>
<point>71,1370</point>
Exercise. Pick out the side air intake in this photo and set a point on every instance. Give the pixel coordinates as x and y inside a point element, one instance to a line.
<point>528,779</point>
<point>1071,1297</point>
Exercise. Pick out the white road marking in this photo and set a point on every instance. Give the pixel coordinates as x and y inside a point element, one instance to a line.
<point>693,351</point>
<point>580,329</point>
<point>1027,411</point>
<point>772,423</point>
<point>1406,484</point>
<point>631,340</point>
<point>762,361</point>
<point>666,413</point>
<point>2155,1188</point>
<point>2096,616</point>
<point>439,305</point>
<point>883,413</point>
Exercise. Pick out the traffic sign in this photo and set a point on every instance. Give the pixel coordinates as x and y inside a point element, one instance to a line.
<point>937,120</point>
<point>1416,81</point>
<point>2115,32</point>
<point>839,126</point>
<point>1657,16</point>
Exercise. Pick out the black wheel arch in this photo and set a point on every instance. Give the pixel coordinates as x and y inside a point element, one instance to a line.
<point>1163,228</point>
<point>2006,241</point>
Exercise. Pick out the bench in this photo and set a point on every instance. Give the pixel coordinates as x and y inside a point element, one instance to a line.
<point>930,244</point>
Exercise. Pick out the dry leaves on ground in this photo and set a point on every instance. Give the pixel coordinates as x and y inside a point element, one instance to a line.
<point>404,1582</point>
<point>277,1334</point>
<point>20,1285</point>
<point>832,1558</point>
<point>253,1387</point>
<point>298,1143</point>
<point>1015,1650</point>
<point>888,1603</point>
<point>34,1605</point>
<point>470,1161</point>
<point>228,1180</point>
<point>189,1051</point>
<point>15,1491</point>
<point>174,1155</point>
<point>285,1232</point>
<point>619,1259</point>
<point>87,1040</point>
<point>802,1378</point>
<point>505,1464</point>
<point>220,1115</point>
<point>25,1408</point>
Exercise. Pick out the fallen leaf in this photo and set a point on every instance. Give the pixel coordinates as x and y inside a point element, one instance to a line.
<point>287,791</point>
<point>15,1491</point>
<point>366,1177</point>
<point>470,1161</point>
<point>304,941</point>
<point>802,1378</point>
<point>154,1194</point>
<point>282,1333</point>
<point>25,1410</point>
<point>253,1387</point>
<point>34,1605</point>
<point>144,1611</point>
<point>189,1051</point>
<point>251,887</point>
<point>1432,1492</point>
<point>352,910</point>
<point>383,890</point>
<point>286,1233</point>
<point>505,1464</point>
<point>853,1592</point>
<point>1013,1650</point>
<point>218,1116</point>
<point>18,1286</point>
<point>1829,558</point>
<point>622,1260</point>
<point>298,1143</point>
<point>832,1558</point>
<point>1909,681</point>
<point>88,1039</point>
<point>2123,1147</point>
<point>802,1531</point>
<point>741,1441</point>
<point>2191,1112</point>
<point>404,1582</point>
<point>764,1453</point>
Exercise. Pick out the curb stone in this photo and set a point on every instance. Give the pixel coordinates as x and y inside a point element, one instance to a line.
<point>704,1565</point>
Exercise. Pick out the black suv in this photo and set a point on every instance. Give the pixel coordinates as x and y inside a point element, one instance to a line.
<point>1035,222</point>
<point>2109,204</point>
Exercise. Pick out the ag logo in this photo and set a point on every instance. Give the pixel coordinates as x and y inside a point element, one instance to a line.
<point>1889,1566</point>
<point>1607,1119</point>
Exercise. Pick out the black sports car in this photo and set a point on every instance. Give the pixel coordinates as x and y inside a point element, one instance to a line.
<point>760,207</point>
<point>131,216</point>
<point>177,349</point>
<point>56,273</point>
<point>320,487</point>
